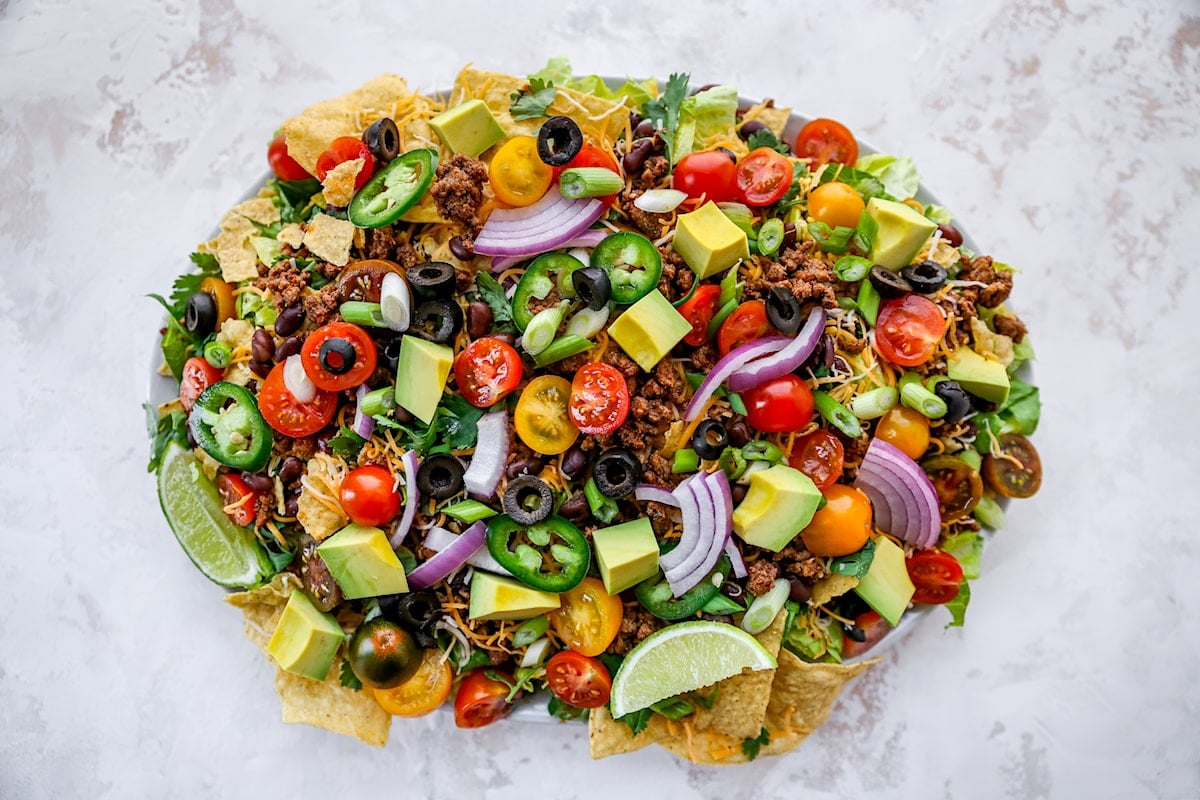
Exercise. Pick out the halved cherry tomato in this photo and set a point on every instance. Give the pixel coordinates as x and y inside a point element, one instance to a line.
<point>331,371</point>
<point>763,177</point>
<point>423,692</point>
<point>486,371</point>
<point>905,429</point>
<point>592,155</point>
<point>197,376</point>
<point>347,148</point>
<point>710,173</point>
<point>819,455</point>
<point>824,140</point>
<point>517,175</point>
<point>481,700</point>
<point>588,618</point>
<point>956,483</point>
<point>781,405</point>
<point>368,495</point>
<point>747,323</point>
<point>222,294</point>
<point>237,497</point>
<point>841,526</point>
<point>873,628</point>
<point>599,399</point>
<point>283,165</point>
<point>578,680</point>
<point>541,417</point>
<point>699,309</point>
<point>286,414</point>
<point>908,329</point>
<point>1016,473</point>
<point>835,204</point>
<point>937,576</point>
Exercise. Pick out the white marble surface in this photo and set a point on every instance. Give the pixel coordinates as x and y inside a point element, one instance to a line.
<point>1064,133</point>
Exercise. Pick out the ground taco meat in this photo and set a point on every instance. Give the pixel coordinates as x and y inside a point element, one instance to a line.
<point>458,190</point>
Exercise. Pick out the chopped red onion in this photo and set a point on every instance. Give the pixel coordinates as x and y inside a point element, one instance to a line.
<point>412,497</point>
<point>649,493</point>
<point>786,360</point>
<point>438,539</point>
<point>452,558</point>
<point>735,360</point>
<point>363,425</point>
<point>491,452</point>
<point>904,498</point>
<point>589,238</point>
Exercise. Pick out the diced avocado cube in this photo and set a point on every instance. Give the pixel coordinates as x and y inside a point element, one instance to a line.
<point>468,128</point>
<point>421,374</point>
<point>494,597</point>
<point>709,241</point>
<point>305,640</point>
<point>902,232</point>
<point>363,563</point>
<point>780,502</point>
<point>886,587</point>
<point>980,376</point>
<point>627,554</point>
<point>649,329</point>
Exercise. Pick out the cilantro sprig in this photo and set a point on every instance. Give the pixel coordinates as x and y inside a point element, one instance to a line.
<point>532,102</point>
<point>664,110</point>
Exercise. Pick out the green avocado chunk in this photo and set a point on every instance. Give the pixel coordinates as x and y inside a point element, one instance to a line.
<point>649,329</point>
<point>626,554</point>
<point>421,373</point>
<point>468,128</point>
<point>886,587</point>
<point>709,241</point>
<point>363,563</point>
<point>781,501</point>
<point>305,640</point>
<point>980,376</point>
<point>494,597</point>
<point>902,232</point>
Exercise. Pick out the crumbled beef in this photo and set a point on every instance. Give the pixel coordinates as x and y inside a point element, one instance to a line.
<point>660,518</point>
<point>636,624</point>
<point>807,277</point>
<point>761,576</point>
<point>653,171</point>
<point>551,299</point>
<point>383,243</point>
<point>497,657</point>
<point>797,562</point>
<point>623,363</point>
<point>657,471</point>
<point>854,450</point>
<point>636,433</point>
<point>704,358</point>
<point>666,383</point>
<point>677,277</point>
<point>999,282</point>
<point>323,306</point>
<point>647,222</point>
<point>264,505</point>
<point>1010,326</point>
<point>284,282</point>
<point>458,190</point>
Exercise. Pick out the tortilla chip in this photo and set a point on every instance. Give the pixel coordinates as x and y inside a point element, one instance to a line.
<point>607,737</point>
<point>259,209</point>
<point>319,519</point>
<point>236,333</point>
<point>774,118</point>
<point>338,186</point>
<point>741,703</point>
<point>831,586</point>
<point>238,260</point>
<point>292,235</point>
<point>329,239</point>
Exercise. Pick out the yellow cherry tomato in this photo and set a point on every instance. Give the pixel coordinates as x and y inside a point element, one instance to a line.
<point>518,176</point>
<point>835,204</point>
<point>842,526</point>
<point>222,294</point>
<point>423,692</point>
<point>904,429</point>
<point>589,617</point>
<point>541,416</point>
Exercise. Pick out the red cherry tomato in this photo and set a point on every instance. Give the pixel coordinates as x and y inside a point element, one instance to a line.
<point>747,323</point>
<point>781,405</point>
<point>480,700</point>
<point>237,497</point>
<point>286,414</point>
<point>710,173</point>
<point>368,495</point>
<point>937,576</point>
<point>599,399</point>
<point>591,155</point>
<point>825,140</point>
<point>873,628</point>
<point>330,372</point>
<point>486,371</point>
<point>197,376</point>
<point>820,456</point>
<point>284,166</point>
<point>347,148</point>
<point>908,329</point>
<point>578,680</point>
<point>763,177</point>
<point>699,310</point>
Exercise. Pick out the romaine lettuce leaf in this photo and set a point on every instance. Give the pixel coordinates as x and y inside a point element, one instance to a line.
<point>703,116</point>
<point>967,547</point>
<point>899,175</point>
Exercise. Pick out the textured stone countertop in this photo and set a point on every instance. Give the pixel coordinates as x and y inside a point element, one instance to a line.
<point>1063,133</point>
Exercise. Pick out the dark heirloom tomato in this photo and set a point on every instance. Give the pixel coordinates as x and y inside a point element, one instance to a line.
<point>289,416</point>
<point>368,495</point>
<point>871,627</point>
<point>237,497</point>
<point>578,680</point>
<point>820,456</point>
<point>345,367</point>
<point>382,654</point>
<point>957,484</point>
<point>197,376</point>
<point>763,177</point>
<point>825,140</point>
<point>599,399</point>
<point>486,371</point>
<point>1018,471</point>
<point>781,405</point>
<point>283,165</point>
<point>709,173</point>
<point>937,576</point>
<point>747,323</point>
<point>699,309</point>
<point>343,149</point>
<point>908,330</point>
<point>364,280</point>
<point>481,700</point>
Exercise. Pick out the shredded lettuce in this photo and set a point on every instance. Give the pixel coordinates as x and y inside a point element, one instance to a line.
<point>702,116</point>
<point>899,175</point>
<point>558,72</point>
<point>939,214</point>
<point>967,547</point>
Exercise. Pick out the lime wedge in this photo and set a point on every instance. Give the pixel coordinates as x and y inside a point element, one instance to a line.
<point>682,658</point>
<point>227,554</point>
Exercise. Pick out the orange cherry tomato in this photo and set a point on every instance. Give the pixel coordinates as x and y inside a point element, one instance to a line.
<point>349,357</point>
<point>517,174</point>
<point>824,140</point>
<point>423,692</point>
<point>289,416</point>
<point>763,177</point>
<point>905,429</point>
<point>578,680</point>
<point>842,526</point>
<point>222,294</point>
<point>588,618</point>
<point>835,204</point>
<point>908,329</point>
<point>820,456</point>
<point>481,699</point>
<point>599,400</point>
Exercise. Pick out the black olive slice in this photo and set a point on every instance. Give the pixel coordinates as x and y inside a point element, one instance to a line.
<point>558,141</point>
<point>415,610</point>
<point>926,277</point>
<point>710,439</point>
<point>200,315</point>
<point>337,355</point>
<point>437,320</point>
<point>617,472</point>
<point>958,402</point>
<point>382,138</point>
<point>440,476</point>
<point>889,284</point>
<point>783,310</point>
<point>432,279</point>
<point>528,499</point>
<point>592,287</point>
<point>389,352</point>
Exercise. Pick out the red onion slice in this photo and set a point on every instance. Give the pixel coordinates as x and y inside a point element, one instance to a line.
<point>680,573</point>
<point>929,519</point>
<point>737,358</point>
<point>412,498</point>
<point>545,225</point>
<point>444,563</point>
<point>689,509</point>
<point>902,494</point>
<point>363,425</point>
<point>721,499</point>
<point>589,238</point>
<point>786,360</point>
<point>649,493</point>
<point>491,452</point>
<point>735,556</point>
<point>438,539</point>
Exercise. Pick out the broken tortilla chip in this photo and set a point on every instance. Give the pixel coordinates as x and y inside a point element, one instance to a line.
<point>338,186</point>
<point>775,119</point>
<point>258,209</point>
<point>329,239</point>
<point>741,702</point>
<point>238,259</point>
<point>831,586</point>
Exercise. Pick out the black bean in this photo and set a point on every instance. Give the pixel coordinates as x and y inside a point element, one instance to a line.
<point>401,415</point>
<point>576,508</point>
<point>574,463</point>
<point>289,320</point>
<point>733,590</point>
<point>738,490</point>
<point>461,248</point>
<point>262,346</point>
<point>798,591</point>
<point>644,128</point>
<point>479,319</point>
<point>259,482</point>
<point>261,368</point>
<point>288,347</point>
<point>951,234</point>
<point>291,506</point>
<point>789,236</point>
<point>291,469</point>
<point>739,433</point>
<point>749,128</point>
<point>507,338</point>
<point>524,466</point>
<point>635,159</point>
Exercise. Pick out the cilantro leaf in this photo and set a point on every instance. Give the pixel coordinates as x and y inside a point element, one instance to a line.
<point>751,746</point>
<point>557,708</point>
<point>673,97</point>
<point>162,431</point>
<point>637,720</point>
<point>346,443</point>
<point>348,678</point>
<point>492,293</point>
<point>176,341</point>
<point>458,426</point>
<point>532,103</point>
<point>958,606</point>
<point>294,199</point>
<point>855,565</point>
<point>765,137</point>
<point>315,279</point>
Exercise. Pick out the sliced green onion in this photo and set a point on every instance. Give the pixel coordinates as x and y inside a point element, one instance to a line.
<point>536,653</point>
<point>589,182</point>
<point>541,330</point>
<point>989,513</point>
<point>587,323</point>
<point>972,457</point>
<point>379,402</point>
<point>868,302</point>
<point>739,214</point>
<point>218,354</point>
<point>907,379</point>
<point>686,460</point>
<point>875,403</point>
<point>721,604</point>
<point>733,462</point>
<point>764,609</point>
<point>735,402</point>
<point>918,398</point>
<point>603,507</point>
<point>770,236</point>
<point>363,313</point>
<point>852,269</point>
<point>730,288</point>
<point>469,511</point>
<point>837,414</point>
<point>530,631</point>
<point>762,450</point>
<point>563,347</point>
<point>720,317</point>
<point>688,296</point>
